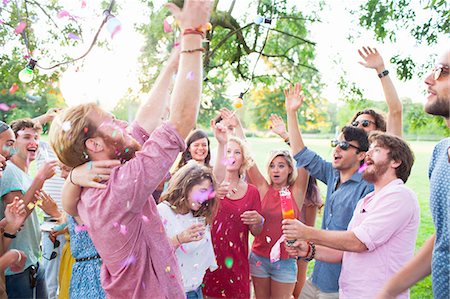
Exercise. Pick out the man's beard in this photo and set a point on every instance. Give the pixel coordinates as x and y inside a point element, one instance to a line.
<point>376,171</point>
<point>440,107</point>
<point>118,149</point>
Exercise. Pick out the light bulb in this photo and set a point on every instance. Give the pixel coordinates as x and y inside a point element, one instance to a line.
<point>259,19</point>
<point>26,75</point>
<point>113,24</point>
<point>239,102</point>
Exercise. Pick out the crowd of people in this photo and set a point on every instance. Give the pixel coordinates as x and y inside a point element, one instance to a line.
<point>128,216</point>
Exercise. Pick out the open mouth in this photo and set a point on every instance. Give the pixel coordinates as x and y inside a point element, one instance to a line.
<point>32,150</point>
<point>337,158</point>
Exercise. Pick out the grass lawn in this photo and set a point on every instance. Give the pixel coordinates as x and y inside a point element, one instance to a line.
<point>418,181</point>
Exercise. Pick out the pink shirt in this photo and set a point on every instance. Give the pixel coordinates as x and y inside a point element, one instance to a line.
<point>387,224</point>
<point>124,224</point>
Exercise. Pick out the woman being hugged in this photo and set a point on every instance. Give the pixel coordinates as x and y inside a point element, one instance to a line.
<point>239,213</point>
<point>187,209</point>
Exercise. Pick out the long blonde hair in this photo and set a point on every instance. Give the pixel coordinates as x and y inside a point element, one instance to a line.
<point>247,160</point>
<point>289,160</point>
<point>181,184</point>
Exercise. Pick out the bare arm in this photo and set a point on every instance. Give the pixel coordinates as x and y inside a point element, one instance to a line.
<point>302,249</point>
<point>340,240</point>
<point>186,94</point>
<point>150,113</point>
<point>417,268</point>
<point>373,60</point>
<point>70,197</point>
<point>258,180</point>
<point>220,133</point>
<point>293,102</point>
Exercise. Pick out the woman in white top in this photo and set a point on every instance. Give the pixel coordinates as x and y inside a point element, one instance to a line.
<point>187,209</point>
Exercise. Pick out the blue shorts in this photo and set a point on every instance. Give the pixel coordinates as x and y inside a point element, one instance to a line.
<point>284,271</point>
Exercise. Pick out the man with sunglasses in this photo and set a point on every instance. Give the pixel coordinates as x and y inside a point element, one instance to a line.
<point>381,235</point>
<point>345,187</point>
<point>434,257</point>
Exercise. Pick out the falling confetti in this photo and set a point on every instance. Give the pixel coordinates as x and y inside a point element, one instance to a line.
<point>167,24</point>
<point>4,107</point>
<point>258,263</point>
<point>229,262</point>
<point>13,88</point>
<point>114,134</point>
<point>83,4</point>
<point>129,261</point>
<point>73,36</point>
<point>168,269</point>
<point>190,76</point>
<point>80,228</point>
<point>362,168</point>
<point>20,27</point>
<point>145,218</point>
<point>268,239</point>
<point>128,204</point>
<point>5,2</point>
<point>85,130</point>
<point>66,126</point>
<point>123,229</point>
<point>63,13</point>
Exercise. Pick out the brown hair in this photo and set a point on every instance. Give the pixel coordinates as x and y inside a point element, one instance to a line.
<point>69,132</point>
<point>399,151</point>
<point>181,184</point>
<point>380,122</point>
<point>186,155</point>
<point>20,124</point>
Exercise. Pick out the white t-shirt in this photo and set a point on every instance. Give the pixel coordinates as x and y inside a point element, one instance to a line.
<point>195,257</point>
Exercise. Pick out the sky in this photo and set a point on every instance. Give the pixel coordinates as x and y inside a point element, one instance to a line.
<point>106,76</point>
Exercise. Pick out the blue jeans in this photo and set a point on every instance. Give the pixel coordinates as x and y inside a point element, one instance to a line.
<point>51,267</point>
<point>18,285</point>
<point>195,294</point>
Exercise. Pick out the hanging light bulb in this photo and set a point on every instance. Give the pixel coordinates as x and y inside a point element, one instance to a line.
<point>26,75</point>
<point>239,102</point>
<point>113,24</point>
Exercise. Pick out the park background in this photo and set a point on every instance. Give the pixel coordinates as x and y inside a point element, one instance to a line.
<point>256,47</point>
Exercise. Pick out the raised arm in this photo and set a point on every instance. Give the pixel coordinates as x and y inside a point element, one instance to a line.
<point>230,119</point>
<point>294,100</point>
<point>372,59</point>
<point>186,93</point>
<point>150,113</point>
<point>220,133</point>
<point>278,127</point>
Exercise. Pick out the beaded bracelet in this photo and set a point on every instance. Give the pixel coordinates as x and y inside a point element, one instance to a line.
<point>194,31</point>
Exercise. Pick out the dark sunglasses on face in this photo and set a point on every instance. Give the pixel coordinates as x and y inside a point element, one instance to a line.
<point>365,123</point>
<point>54,254</point>
<point>344,145</point>
<point>439,70</point>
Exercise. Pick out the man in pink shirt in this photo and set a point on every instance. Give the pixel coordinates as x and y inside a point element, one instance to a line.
<point>122,219</point>
<point>382,234</point>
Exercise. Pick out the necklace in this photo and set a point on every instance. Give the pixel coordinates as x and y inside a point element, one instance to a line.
<point>233,190</point>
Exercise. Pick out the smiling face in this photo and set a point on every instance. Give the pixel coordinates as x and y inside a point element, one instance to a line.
<point>7,140</point>
<point>279,171</point>
<point>199,194</point>
<point>27,144</point>
<point>199,150</point>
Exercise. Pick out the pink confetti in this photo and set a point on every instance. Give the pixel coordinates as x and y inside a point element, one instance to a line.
<point>258,263</point>
<point>129,261</point>
<point>182,248</point>
<point>20,27</point>
<point>13,88</point>
<point>63,13</point>
<point>362,168</point>
<point>145,219</point>
<point>167,26</point>
<point>73,36</point>
<point>1,21</point>
<point>228,162</point>
<point>5,2</point>
<point>212,194</point>
<point>80,228</point>
<point>190,76</point>
<point>123,229</point>
<point>4,107</point>
<point>220,226</point>
<point>83,4</point>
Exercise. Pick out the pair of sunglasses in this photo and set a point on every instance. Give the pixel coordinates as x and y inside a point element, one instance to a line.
<point>365,123</point>
<point>439,70</point>
<point>344,145</point>
<point>54,254</point>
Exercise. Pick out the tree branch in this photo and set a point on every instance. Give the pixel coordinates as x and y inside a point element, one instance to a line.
<point>294,36</point>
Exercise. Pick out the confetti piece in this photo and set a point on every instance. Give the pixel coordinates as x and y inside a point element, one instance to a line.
<point>66,126</point>
<point>173,207</point>
<point>129,261</point>
<point>5,2</point>
<point>258,263</point>
<point>167,26</point>
<point>231,244</point>
<point>229,262</point>
<point>13,88</point>
<point>73,36</point>
<point>190,76</point>
<point>83,4</point>
<point>14,105</point>
<point>168,269</point>
<point>115,224</point>
<point>63,13</point>
<point>4,107</point>
<point>145,218</point>
<point>114,134</point>
<point>127,150</point>
<point>30,206</point>
<point>123,229</point>
<point>268,239</point>
<point>212,195</point>
<point>39,202</point>
<point>20,27</point>
<point>85,130</point>
<point>80,228</point>
<point>220,226</point>
<point>89,165</point>
<point>362,168</point>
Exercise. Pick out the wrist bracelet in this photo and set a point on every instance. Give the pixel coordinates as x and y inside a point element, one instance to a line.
<point>193,50</point>
<point>8,235</point>
<point>20,256</point>
<point>178,240</point>
<point>313,252</point>
<point>70,177</point>
<point>194,31</point>
<point>383,74</point>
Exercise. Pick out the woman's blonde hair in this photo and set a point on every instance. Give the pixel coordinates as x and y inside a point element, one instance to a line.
<point>247,160</point>
<point>289,160</point>
<point>181,184</point>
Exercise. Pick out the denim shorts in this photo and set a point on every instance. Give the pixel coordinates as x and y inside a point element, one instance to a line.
<point>284,271</point>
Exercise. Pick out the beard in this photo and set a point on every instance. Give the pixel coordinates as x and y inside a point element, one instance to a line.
<point>440,107</point>
<point>121,149</point>
<point>375,171</point>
